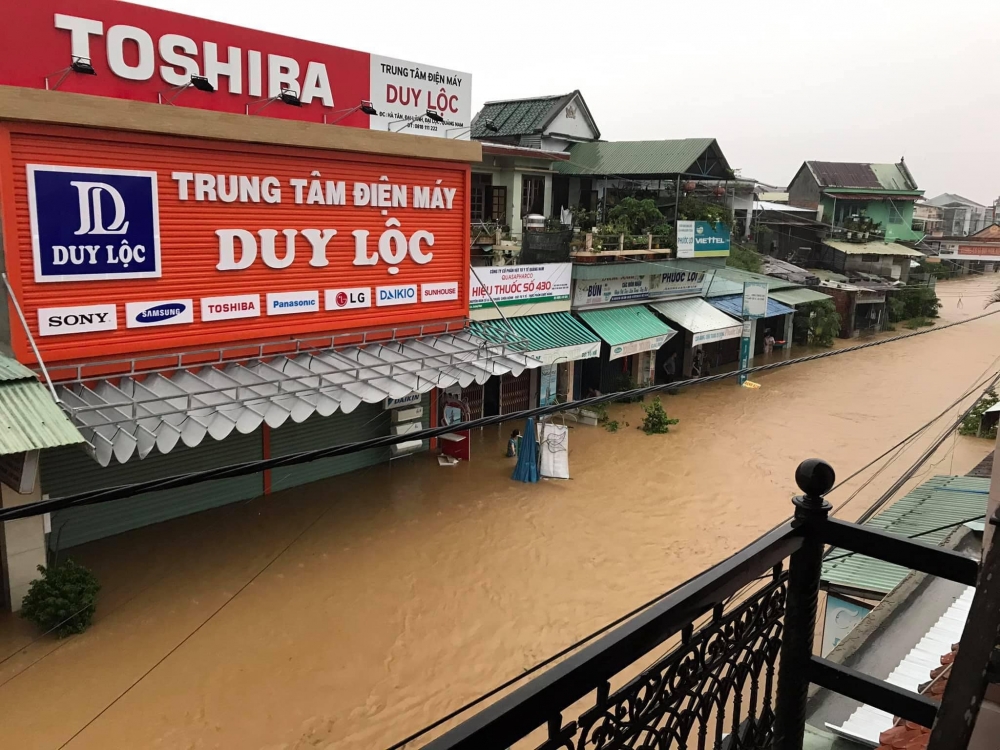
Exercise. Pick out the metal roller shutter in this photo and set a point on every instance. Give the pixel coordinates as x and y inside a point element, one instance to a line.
<point>365,422</point>
<point>65,471</point>
<point>515,392</point>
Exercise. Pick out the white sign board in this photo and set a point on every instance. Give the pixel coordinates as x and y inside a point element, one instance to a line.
<point>516,285</point>
<point>754,299</point>
<point>591,293</point>
<point>634,347</point>
<point>841,617</point>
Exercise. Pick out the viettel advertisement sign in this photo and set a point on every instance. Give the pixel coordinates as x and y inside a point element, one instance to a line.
<point>131,244</point>
<point>702,239</point>
<point>145,54</point>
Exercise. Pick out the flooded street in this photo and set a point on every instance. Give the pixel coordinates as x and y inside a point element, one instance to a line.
<point>407,590</point>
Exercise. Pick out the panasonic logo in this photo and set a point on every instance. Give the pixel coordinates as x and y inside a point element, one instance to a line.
<point>289,303</point>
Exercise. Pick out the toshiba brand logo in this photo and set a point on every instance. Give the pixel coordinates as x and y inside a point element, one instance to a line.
<point>230,307</point>
<point>57,321</point>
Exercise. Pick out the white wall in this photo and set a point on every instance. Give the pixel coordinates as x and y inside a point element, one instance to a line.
<point>577,126</point>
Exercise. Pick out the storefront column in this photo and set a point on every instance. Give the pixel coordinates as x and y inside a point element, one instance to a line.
<point>789,330</point>
<point>22,547</point>
<point>753,341</point>
<point>515,216</point>
<point>533,388</point>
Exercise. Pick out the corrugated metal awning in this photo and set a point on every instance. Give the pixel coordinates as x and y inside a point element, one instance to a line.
<point>30,419</point>
<point>698,316</point>
<point>733,305</point>
<point>873,248</point>
<point>628,330</point>
<point>549,337</point>
<point>130,416</point>
<point>937,502</point>
<point>799,296</point>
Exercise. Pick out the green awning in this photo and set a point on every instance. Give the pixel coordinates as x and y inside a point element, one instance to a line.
<point>799,296</point>
<point>931,507</point>
<point>628,330</point>
<point>30,419</point>
<point>550,337</point>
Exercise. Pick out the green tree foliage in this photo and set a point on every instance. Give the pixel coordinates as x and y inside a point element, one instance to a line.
<point>63,600</point>
<point>970,425</point>
<point>695,209</point>
<point>656,421</point>
<point>816,324</point>
<point>744,258</point>
<point>913,302</point>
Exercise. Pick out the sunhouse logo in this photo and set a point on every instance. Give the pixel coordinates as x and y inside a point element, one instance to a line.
<point>93,224</point>
<point>159,313</point>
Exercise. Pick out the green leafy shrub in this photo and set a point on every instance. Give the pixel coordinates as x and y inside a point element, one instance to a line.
<point>611,425</point>
<point>656,421</point>
<point>744,258</point>
<point>816,324</point>
<point>913,302</point>
<point>624,383</point>
<point>918,322</point>
<point>970,425</point>
<point>63,600</point>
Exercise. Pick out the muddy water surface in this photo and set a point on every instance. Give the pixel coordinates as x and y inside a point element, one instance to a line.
<point>401,592</point>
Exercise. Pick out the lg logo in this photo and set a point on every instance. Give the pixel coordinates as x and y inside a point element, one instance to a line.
<point>348,299</point>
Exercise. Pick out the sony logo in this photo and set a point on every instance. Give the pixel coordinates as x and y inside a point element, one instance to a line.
<point>55,321</point>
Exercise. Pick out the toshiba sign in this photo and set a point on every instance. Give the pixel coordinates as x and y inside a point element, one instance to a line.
<point>147,54</point>
<point>213,243</point>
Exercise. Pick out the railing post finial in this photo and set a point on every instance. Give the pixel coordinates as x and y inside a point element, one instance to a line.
<point>815,478</point>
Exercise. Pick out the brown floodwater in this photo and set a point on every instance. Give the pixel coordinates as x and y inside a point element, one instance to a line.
<point>405,590</point>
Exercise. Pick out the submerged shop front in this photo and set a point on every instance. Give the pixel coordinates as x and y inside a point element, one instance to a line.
<point>616,304</point>
<point>527,308</point>
<point>199,303</point>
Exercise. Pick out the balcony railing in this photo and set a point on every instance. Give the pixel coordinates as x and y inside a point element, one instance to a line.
<point>737,668</point>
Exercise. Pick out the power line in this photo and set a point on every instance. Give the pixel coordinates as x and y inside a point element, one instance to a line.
<point>252,467</point>
<point>915,536</point>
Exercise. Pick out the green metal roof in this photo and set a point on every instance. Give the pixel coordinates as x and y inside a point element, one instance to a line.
<point>727,281</point>
<point>873,248</point>
<point>11,369</point>
<point>636,157</point>
<point>623,325</point>
<point>799,296</point>
<point>30,419</point>
<point>937,502</point>
<point>539,332</point>
<point>515,117</point>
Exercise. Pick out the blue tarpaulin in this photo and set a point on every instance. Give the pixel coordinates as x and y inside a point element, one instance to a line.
<point>527,460</point>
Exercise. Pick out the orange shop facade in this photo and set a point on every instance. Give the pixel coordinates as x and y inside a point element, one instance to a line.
<point>199,302</point>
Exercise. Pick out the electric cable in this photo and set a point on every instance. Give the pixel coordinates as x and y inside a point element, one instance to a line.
<point>252,467</point>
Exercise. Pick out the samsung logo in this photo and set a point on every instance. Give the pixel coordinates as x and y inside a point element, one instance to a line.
<point>164,312</point>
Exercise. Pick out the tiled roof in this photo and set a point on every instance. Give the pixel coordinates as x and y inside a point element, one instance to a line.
<point>516,116</point>
<point>906,735</point>
<point>984,469</point>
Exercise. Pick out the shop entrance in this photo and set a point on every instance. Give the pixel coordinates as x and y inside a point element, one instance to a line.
<point>491,397</point>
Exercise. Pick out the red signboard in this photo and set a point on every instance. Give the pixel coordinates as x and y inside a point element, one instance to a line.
<point>118,244</point>
<point>145,54</point>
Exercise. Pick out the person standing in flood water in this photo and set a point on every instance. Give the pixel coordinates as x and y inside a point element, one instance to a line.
<point>515,439</point>
<point>768,341</point>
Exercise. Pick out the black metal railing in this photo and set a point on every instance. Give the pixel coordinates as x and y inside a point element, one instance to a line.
<point>714,687</point>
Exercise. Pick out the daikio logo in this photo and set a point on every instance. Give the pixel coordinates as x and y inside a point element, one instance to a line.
<point>401,294</point>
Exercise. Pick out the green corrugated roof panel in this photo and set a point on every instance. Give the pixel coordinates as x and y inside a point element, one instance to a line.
<point>634,157</point>
<point>11,369</point>
<point>31,420</point>
<point>938,502</point>
<point>799,296</point>
<point>726,281</point>
<point>539,332</point>
<point>623,325</point>
<point>512,118</point>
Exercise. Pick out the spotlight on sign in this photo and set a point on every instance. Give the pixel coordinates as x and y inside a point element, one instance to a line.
<point>199,82</point>
<point>80,65</point>
<point>286,96</point>
<point>365,106</point>
<point>432,115</point>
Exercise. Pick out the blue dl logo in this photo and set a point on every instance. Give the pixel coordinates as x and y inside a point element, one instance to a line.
<point>93,224</point>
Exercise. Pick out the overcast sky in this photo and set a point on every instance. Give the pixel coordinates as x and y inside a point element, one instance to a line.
<point>776,82</point>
